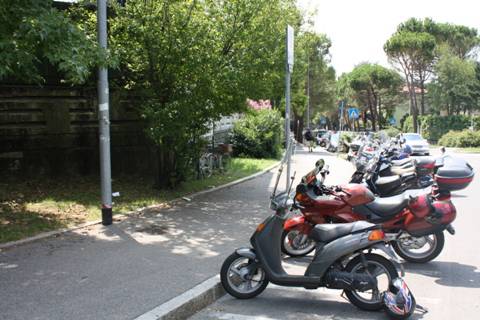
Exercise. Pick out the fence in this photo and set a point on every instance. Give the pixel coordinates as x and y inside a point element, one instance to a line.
<point>54,130</point>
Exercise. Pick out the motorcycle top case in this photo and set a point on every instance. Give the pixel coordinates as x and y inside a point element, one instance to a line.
<point>455,174</point>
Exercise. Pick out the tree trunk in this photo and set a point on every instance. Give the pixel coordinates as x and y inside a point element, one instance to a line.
<point>372,108</point>
<point>422,98</point>
<point>298,127</point>
<point>413,103</point>
<point>379,113</point>
<point>376,115</point>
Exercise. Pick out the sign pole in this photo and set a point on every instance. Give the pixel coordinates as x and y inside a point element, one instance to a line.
<point>289,68</point>
<point>308,92</point>
<point>104,119</point>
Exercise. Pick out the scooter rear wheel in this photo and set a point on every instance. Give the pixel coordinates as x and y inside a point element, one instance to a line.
<point>241,278</point>
<point>379,267</point>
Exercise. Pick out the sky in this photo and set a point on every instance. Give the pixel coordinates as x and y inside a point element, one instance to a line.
<point>359,28</point>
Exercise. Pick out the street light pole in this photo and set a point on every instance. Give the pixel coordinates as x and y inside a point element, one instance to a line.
<point>104,119</point>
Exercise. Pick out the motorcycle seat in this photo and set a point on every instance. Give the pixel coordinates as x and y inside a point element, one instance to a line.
<point>386,207</point>
<point>329,232</point>
<point>401,162</point>
<point>390,180</point>
<point>401,171</point>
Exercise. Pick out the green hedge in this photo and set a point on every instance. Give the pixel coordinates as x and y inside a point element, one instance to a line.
<point>461,139</point>
<point>434,127</point>
<point>258,135</point>
<point>345,139</point>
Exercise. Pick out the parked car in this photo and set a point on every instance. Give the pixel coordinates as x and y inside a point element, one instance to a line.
<point>415,141</point>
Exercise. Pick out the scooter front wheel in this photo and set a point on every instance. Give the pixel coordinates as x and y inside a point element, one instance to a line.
<point>242,278</point>
<point>296,244</point>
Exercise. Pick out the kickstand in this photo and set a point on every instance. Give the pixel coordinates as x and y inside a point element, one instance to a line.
<point>343,296</point>
<point>421,309</point>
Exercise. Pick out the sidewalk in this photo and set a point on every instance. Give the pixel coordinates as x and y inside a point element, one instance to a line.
<point>127,269</point>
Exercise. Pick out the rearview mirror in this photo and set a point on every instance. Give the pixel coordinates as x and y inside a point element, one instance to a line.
<point>319,164</point>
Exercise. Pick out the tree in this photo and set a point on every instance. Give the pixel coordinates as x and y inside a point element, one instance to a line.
<point>370,82</point>
<point>313,78</point>
<point>411,52</point>
<point>455,87</point>
<point>461,39</point>
<point>34,33</point>
<point>190,62</point>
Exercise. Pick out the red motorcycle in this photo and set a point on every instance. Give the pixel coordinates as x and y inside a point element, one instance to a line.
<point>415,222</point>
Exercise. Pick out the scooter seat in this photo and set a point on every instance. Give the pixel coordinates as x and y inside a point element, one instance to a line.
<point>401,162</point>
<point>386,207</point>
<point>329,232</point>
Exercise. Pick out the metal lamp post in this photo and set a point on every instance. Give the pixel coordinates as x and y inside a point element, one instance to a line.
<point>104,119</point>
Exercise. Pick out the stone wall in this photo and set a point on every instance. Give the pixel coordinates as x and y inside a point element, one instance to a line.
<point>54,131</point>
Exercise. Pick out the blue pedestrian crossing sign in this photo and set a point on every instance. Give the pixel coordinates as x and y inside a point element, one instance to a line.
<point>392,121</point>
<point>353,113</point>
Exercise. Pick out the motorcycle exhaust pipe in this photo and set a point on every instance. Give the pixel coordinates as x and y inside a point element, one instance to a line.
<point>349,281</point>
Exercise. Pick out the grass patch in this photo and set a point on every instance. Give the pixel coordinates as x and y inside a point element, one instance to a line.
<point>32,206</point>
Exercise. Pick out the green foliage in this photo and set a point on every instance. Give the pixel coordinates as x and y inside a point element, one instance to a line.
<point>258,135</point>
<point>421,48</point>
<point>434,127</point>
<point>461,139</point>
<point>392,131</point>
<point>34,33</point>
<point>311,73</point>
<point>407,125</point>
<point>191,62</point>
<point>366,85</point>
<point>456,84</point>
<point>345,139</point>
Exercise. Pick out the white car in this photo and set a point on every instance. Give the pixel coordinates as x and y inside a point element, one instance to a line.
<point>417,143</point>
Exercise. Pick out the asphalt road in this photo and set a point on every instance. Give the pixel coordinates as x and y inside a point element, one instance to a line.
<point>449,286</point>
<point>127,269</point>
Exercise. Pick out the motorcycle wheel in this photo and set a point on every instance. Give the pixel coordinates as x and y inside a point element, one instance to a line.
<point>291,248</point>
<point>239,281</point>
<point>406,247</point>
<point>379,267</point>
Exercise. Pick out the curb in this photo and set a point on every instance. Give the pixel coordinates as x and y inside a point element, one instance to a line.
<point>188,303</point>
<point>48,234</point>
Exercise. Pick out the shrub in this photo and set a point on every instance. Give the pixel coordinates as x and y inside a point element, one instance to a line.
<point>345,140</point>
<point>392,131</point>
<point>461,139</point>
<point>433,127</point>
<point>258,134</point>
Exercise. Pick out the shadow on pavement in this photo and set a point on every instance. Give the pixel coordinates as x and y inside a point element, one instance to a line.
<point>451,274</point>
<point>289,304</point>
